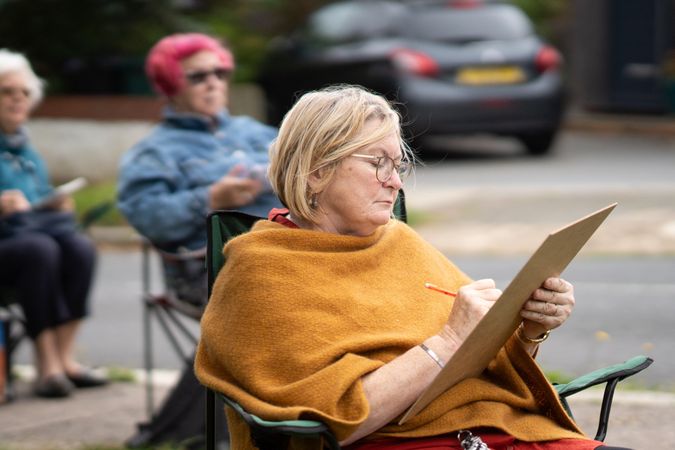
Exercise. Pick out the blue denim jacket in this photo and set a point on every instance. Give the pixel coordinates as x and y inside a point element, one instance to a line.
<point>22,168</point>
<point>163,180</point>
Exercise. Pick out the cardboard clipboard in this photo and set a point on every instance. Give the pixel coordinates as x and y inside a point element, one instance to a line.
<point>495,328</point>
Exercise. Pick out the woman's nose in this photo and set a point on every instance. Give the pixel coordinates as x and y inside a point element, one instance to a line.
<point>395,180</point>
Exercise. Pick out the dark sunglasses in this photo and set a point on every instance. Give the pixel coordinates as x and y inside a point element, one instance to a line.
<point>202,75</point>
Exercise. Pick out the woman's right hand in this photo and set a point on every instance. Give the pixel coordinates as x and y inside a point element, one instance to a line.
<point>13,201</point>
<point>394,386</point>
<point>472,303</point>
<point>233,191</point>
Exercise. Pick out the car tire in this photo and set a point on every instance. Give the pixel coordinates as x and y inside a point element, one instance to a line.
<point>538,143</point>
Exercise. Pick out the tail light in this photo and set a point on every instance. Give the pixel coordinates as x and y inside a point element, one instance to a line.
<point>548,58</point>
<point>415,62</point>
<point>465,4</point>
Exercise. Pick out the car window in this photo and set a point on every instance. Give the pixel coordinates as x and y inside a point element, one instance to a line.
<point>501,22</point>
<point>354,21</point>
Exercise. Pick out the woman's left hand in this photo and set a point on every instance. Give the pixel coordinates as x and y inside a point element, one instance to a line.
<point>548,307</point>
<point>62,203</point>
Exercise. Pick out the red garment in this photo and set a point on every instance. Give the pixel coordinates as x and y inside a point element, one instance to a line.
<point>278,215</point>
<point>495,440</point>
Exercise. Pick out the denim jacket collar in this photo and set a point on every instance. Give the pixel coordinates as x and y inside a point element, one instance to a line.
<point>197,122</point>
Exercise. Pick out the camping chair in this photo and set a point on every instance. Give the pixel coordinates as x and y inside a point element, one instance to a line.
<point>221,227</point>
<point>11,316</point>
<point>174,314</point>
<point>225,225</point>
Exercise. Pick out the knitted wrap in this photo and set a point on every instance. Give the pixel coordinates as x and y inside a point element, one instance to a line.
<point>298,317</point>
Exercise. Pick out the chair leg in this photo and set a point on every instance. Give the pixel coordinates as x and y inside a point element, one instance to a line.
<point>210,420</point>
<point>4,328</point>
<point>12,339</point>
<point>605,409</point>
<point>147,334</point>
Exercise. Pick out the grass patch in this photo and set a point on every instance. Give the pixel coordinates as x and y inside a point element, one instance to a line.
<point>93,196</point>
<point>121,375</point>
<point>417,218</point>
<point>558,377</point>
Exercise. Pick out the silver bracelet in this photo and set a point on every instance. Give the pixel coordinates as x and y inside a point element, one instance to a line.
<point>433,355</point>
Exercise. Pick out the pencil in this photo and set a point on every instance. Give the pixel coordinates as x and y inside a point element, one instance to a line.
<point>433,287</point>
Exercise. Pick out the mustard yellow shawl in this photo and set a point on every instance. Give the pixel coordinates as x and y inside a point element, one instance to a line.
<point>297,317</point>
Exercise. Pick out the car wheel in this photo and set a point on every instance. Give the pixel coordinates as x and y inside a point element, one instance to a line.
<point>539,143</point>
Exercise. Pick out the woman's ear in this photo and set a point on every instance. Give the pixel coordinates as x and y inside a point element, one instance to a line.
<point>315,180</point>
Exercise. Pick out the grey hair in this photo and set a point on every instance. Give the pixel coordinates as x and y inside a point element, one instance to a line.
<point>13,62</point>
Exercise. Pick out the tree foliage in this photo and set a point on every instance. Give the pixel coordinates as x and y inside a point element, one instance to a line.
<point>62,36</point>
<point>98,46</point>
<point>93,45</point>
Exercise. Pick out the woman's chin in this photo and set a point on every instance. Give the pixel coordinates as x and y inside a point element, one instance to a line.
<point>382,218</point>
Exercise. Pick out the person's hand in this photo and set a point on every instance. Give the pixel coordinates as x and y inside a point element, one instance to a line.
<point>61,203</point>
<point>473,301</point>
<point>232,191</point>
<point>13,201</point>
<point>548,307</point>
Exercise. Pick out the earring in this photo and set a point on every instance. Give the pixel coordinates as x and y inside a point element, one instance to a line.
<point>313,203</point>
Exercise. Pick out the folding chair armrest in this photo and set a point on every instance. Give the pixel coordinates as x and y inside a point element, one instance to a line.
<point>611,375</point>
<point>93,214</point>
<point>604,375</point>
<point>306,428</point>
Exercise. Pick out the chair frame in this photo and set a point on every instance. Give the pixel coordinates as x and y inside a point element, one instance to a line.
<point>214,263</point>
<point>170,315</point>
<point>14,330</point>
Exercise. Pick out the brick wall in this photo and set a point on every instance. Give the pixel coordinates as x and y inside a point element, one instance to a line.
<point>246,99</point>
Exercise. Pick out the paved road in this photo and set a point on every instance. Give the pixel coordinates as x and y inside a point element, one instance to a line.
<point>578,161</point>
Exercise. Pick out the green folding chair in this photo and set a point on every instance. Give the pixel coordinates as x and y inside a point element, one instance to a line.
<point>270,435</point>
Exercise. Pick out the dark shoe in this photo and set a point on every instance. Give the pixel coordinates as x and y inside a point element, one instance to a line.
<point>55,386</point>
<point>142,439</point>
<point>87,378</point>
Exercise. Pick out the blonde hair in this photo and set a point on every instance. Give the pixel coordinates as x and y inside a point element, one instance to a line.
<point>12,62</point>
<point>319,131</point>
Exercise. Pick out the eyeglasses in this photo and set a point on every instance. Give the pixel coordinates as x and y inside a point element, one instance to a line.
<point>13,91</point>
<point>201,76</point>
<point>385,166</point>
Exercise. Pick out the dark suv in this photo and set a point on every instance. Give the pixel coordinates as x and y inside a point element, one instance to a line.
<point>454,67</point>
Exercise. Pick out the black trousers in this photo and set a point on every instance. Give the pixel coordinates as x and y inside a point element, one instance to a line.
<point>51,276</point>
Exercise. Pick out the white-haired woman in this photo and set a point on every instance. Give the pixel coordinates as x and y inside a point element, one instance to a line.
<point>43,259</point>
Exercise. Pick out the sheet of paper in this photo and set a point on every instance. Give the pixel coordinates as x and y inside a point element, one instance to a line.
<point>68,188</point>
<point>492,332</point>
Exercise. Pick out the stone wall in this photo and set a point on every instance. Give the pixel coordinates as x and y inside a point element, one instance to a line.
<point>86,136</point>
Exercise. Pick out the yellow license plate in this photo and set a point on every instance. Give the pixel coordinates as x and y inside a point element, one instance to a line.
<point>479,76</point>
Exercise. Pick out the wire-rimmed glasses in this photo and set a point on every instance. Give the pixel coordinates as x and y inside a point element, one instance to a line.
<point>385,166</point>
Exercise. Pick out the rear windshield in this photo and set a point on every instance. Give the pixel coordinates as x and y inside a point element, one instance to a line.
<point>354,21</point>
<point>466,25</point>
